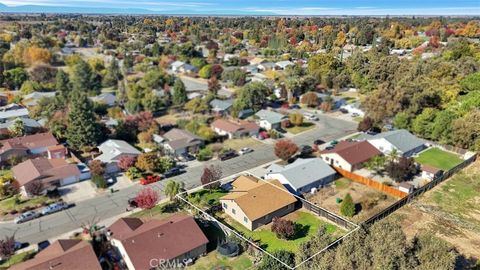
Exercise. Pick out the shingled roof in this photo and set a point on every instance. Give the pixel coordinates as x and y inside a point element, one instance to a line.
<point>354,152</point>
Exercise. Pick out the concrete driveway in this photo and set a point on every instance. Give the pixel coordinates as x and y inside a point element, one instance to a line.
<point>78,192</point>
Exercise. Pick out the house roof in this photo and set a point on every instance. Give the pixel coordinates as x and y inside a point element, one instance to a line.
<point>258,198</point>
<point>64,254</point>
<point>160,239</point>
<point>177,64</point>
<point>105,98</point>
<point>403,140</point>
<point>270,116</point>
<point>354,152</point>
<point>221,105</point>
<point>28,142</point>
<point>13,111</point>
<point>33,98</point>
<point>430,169</point>
<point>233,127</point>
<point>27,122</point>
<point>114,148</point>
<point>303,172</point>
<point>179,138</point>
<point>43,169</point>
<point>284,64</point>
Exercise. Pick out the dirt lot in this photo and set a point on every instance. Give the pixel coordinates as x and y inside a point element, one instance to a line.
<point>451,211</point>
<point>368,201</point>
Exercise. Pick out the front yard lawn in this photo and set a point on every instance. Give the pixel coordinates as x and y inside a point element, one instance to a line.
<point>269,241</point>
<point>302,128</point>
<point>17,258</point>
<point>206,197</point>
<point>237,144</point>
<point>10,204</point>
<point>439,159</point>
<point>159,211</point>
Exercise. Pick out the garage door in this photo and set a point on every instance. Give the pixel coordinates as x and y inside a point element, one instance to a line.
<point>69,180</point>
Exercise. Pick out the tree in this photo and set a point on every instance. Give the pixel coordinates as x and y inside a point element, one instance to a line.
<point>172,188</point>
<point>283,228</point>
<point>402,120</point>
<point>423,123</point>
<point>97,167</point>
<point>296,118</point>
<point>251,96</point>
<point>33,55</point>
<point>310,99</point>
<point>401,170</point>
<point>99,181</point>
<point>62,84</point>
<point>147,162</point>
<point>147,198</point>
<point>466,131</point>
<point>125,162</point>
<point>210,175</point>
<point>82,77</point>
<point>7,247</point>
<point>17,129</point>
<point>376,163</point>
<point>83,129</point>
<point>113,74</point>
<point>285,149</point>
<point>165,164</point>
<point>269,263</point>
<point>347,208</point>
<point>34,188</point>
<point>14,78</point>
<point>213,86</point>
<point>205,72</point>
<point>196,105</point>
<point>179,96</point>
<point>365,125</point>
<point>471,83</point>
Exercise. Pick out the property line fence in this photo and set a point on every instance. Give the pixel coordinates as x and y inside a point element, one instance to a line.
<point>397,205</point>
<point>371,183</point>
<point>340,221</point>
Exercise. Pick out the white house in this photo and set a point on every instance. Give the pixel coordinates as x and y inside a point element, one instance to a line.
<point>404,142</point>
<point>269,119</point>
<point>112,151</point>
<point>283,64</point>
<point>236,129</point>
<point>349,156</point>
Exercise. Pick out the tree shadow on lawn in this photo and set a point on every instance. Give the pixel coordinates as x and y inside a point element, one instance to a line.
<point>301,231</point>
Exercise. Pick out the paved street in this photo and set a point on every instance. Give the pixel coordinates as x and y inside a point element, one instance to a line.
<point>109,205</point>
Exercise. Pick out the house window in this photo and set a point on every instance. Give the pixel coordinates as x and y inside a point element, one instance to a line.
<point>225,206</point>
<point>245,219</point>
<point>233,211</point>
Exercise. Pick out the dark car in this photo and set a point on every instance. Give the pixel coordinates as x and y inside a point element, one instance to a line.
<point>173,172</point>
<point>306,150</point>
<point>281,130</point>
<point>295,107</point>
<point>186,157</point>
<point>132,203</point>
<point>42,245</point>
<point>228,155</point>
<point>318,142</point>
<point>343,111</point>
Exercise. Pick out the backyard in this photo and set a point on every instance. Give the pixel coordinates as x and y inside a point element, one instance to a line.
<point>439,159</point>
<point>367,200</point>
<point>308,222</point>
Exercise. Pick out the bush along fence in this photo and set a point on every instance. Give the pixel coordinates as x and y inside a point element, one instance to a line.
<point>340,221</point>
<point>397,205</point>
<point>371,183</point>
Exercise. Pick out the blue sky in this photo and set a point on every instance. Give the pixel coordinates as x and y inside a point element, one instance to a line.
<point>279,7</point>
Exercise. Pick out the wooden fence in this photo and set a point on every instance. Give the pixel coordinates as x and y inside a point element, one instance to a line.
<point>371,183</point>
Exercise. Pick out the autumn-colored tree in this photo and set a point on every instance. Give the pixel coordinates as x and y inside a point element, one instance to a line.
<point>97,167</point>
<point>365,125</point>
<point>147,162</point>
<point>296,118</point>
<point>285,149</point>
<point>213,86</point>
<point>283,228</point>
<point>7,247</point>
<point>310,99</point>
<point>147,198</point>
<point>211,174</point>
<point>125,162</point>
<point>33,55</point>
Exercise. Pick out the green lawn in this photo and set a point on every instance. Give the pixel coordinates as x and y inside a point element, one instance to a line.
<point>17,258</point>
<point>206,197</point>
<point>439,159</point>
<point>237,144</point>
<point>160,211</point>
<point>10,203</point>
<point>269,240</point>
<point>299,129</point>
<point>216,261</point>
<point>342,183</point>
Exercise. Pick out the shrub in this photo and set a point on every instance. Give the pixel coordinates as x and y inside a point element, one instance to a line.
<point>99,181</point>
<point>205,154</point>
<point>97,167</point>
<point>285,149</point>
<point>284,229</point>
<point>133,173</point>
<point>347,208</point>
<point>296,119</point>
<point>125,162</point>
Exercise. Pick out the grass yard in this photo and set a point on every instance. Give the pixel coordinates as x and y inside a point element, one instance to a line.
<point>439,159</point>
<point>206,197</point>
<point>216,261</point>
<point>17,258</point>
<point>160,211</point>
<point>237,144</point>
<point>342,183</point>
<point>269,241</point>
<point>299,129</point>
<point>11,204</point>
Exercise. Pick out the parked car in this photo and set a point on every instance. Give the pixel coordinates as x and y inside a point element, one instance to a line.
<point>150,179</point>
<point>54,207</point>
<point>310,116</point>
<point>173,172</point>
<point>132,203</point>
<point>355,115</point>
<point>186,157</point>
<point>318,142</point>
<point>245,150</point>
<point>228,155</point>
<point>281,130</point>
<point>294,107</point>
<point>27,216</point>
<point>306,150</point>
<point>42,245</point>
<point>334,142</point>
<point>344,111</point>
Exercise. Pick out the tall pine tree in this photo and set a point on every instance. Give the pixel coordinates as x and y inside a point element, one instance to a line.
<point>82,77</point>
<point>179,96</point>
<point>83,130</point>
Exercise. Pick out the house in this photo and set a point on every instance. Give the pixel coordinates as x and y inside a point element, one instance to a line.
<point>57,151</point>
<point>175,66</point>
<point>30,145</point>
<point>270,120</point>
<point>250,69</point>
<point>33,98</point>
<point>257,61</point>
<point>303,175</point>
<point>50,172</point>
<point>235,129</point>
<point>283,65</point>
<point>266,66</point>
<point>108,99</point>
<point>63,254</point>
<point>430,173</point>
<point>245,113</point>
<point>12,111</point>
<point>113,151</point>
<point>337,100</point>
<point>194,85</point>
<point>187,68</point>
<point>348,155</point>
<point>254,202</point>
<point>221,107</point>
<point>405,143</point>
<point>30,126</point>
<point>179,141</point>
<point>174,240</point>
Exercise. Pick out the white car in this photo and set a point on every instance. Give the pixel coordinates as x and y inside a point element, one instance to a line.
<point>54,207</point>
<point>245,150</point>
<point>310,117</point>
<point>29,215</point>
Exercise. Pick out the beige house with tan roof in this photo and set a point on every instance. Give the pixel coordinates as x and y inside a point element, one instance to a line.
<point>254,202</point>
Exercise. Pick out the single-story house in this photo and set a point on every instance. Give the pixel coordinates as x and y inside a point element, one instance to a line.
<point>283,64</point>
<point>303,175</point>
<point>221,107</point>
<point>348,155</point>
<point>338,101</point>
<point>250,69</point>
<point>51,172</point>
<point>257,61</point>
<point>108,99</point>
<point>194,85</point>
<point>266,66</point>
<point>270,120</point>
<point>173,240</point>
<point>33,98</point>
<point>63,254</point>
<point>235,129</point>
<point>187,68</point>
<point>30,145</point>
<point>430,173</point>
<point>112,151</point>
<point>179,141</point>
<point>405,143</point>
<point>254,202</point>
<point>12,111</point>
<point>175,66</point>
<point>30,126</point>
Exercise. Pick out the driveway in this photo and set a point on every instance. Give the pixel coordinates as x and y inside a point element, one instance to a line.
<point>78,192</point>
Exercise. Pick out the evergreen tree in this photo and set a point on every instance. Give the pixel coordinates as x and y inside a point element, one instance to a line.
<point>83,130</point>
<point>179,93</point>
<point>113,74</point>
<point>82,77</point>
<point>62,84</point>
<point>348,207</point>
